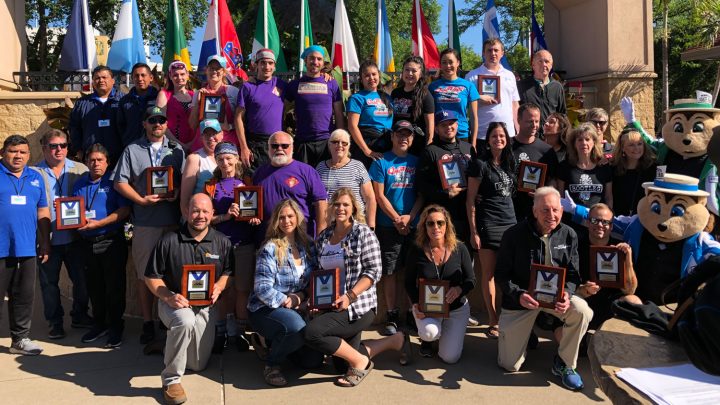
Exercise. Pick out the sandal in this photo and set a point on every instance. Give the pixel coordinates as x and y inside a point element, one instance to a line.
<point>406,352</point>
<point>493,332</point>
<point>273,376</point>
<point>354,376</point>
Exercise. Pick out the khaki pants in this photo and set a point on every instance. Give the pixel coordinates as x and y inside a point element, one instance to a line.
<point>144,240</point>
<point>515,327</point>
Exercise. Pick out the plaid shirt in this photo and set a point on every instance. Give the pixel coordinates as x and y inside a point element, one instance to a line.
<point>274,281</point>
<point>362,258</point>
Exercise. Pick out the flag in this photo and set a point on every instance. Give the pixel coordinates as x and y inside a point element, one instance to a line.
<point>453,32</point>
<point>78,51</point>
<point>423,42</point>
<point>221,39</point>
<point>266,35</point>
<point>127,46</point>
<point>343,50</point>
<point>383,43</point>
<point>306,34</point>
<point>175,45</point>
<point>536,35</point>
<point>491,28</point>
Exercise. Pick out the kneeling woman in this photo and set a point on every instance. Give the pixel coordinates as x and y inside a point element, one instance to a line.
<point>352,246</point>
<point>283,265</point>
<point>437,254</point>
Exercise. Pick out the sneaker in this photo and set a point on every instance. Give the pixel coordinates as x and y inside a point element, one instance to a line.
<point>94,334</point>
<point>570,378</point>
<point>426,349</point>
<point>410,322</point>
<point>533,341</point>
<point>56,332</point>
<point>26,347</point>
<point>82,322</point>
<point>148,333</point>
<point>174,394</point>
<point>242,342</point>
<point>114,339</point>
<point>472,321</point>
<point>391,326</point>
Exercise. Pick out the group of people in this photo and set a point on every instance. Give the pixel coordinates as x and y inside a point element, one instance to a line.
<point>366,187</point>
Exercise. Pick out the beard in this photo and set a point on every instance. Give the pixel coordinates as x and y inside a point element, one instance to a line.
<point>280,160</point>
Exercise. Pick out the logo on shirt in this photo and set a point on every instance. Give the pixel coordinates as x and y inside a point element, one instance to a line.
<point>560,247</point>
<point>275,91</point>
<point>504,186</point>
<point>212,256</point>
<point>586,188</point>
<point>35,183</point>
<point>381,109</point>
<point>449,94</point>
<point>523,156</point>
<point>402,106</point>
<point>291,181</point>
<point>312,88</point>
<point>403,176</point>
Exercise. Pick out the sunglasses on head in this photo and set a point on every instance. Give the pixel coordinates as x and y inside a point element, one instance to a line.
<point>431,224</point>
<point>58,145</point>
<point>280,145</point>
<point>157,120</point>
<point>596,221</point>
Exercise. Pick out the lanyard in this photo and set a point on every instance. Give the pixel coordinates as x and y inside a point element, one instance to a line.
<point>88,207</point>
<point>60,180</point>
<point>22,185</point>
<point>155,161</point>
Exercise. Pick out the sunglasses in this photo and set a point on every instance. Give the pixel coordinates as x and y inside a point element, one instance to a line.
<point>157,120</point>
<point>603,222</point>
<point>280,145</point>
<point>599,123</point>
<point>58,145</point>
<point>343,143</point>
<point>431,224</point>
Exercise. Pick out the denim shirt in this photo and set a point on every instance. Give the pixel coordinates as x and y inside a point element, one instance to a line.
<point>274,281</point>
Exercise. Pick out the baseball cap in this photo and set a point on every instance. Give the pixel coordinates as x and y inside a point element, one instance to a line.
<point>404,124</point>
<point>210,123</point>
<point>219,59</point>
<point>445,115</point>
<point>264,54</point>
<point>154,112</point>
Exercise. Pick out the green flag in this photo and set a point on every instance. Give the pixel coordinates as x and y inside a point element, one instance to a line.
<point>175,45</point>
<point>306,35</point>
<point>266,35</point>
<point>453,32</point>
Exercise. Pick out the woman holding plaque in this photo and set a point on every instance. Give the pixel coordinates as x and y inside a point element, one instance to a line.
<point>438,255</point>
<point>283,267</point>
<point>555,131</point>
<point>493,177</point>
<point>633,163</point>
<point>199,165</point>
<point>413,102</point>
<point>175,100</point>
<point>351,246</point>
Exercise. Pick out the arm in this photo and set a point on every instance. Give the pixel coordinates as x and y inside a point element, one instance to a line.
<point>383,202</point>
<point>158,288</point>
<point>473,122</point>
<point>193,121</point>
<point>515,107</point>
<point>76,133</point>
<point>468,272</point>
<point>608,194</point>
<point>338,114</point>
<point>504,268</point>
<point>128,192</point>
<point>265,271</point>
<point>245,155</point>
<point>430,127</point>
<point>357,138</point>
<point>630,276</point>
<point>43,233</point>
<point>368,195</point>
<point>119,215</point>
<point>320,216</point>
<point>472,191</point>
<point>161,101</point>
<point>187,183</point>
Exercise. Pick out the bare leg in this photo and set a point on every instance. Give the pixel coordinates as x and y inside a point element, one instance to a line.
<point>377,346</point>
<point>487,268</point>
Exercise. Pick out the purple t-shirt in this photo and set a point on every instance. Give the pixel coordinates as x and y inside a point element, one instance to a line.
<point>314,98</point>
<point>237,231</point>
<point>297,181</point>
<point>263,106</point>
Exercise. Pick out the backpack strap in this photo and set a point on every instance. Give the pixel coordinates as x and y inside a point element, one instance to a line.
<point>684,307</point>
<point>210,187</point>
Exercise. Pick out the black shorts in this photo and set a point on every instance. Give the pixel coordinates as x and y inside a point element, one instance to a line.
<point>490,236</point>
<point>311,152</point>
<point>393,248</point>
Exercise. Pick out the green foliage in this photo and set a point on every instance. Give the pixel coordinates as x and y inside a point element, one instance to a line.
<point>514,24</point>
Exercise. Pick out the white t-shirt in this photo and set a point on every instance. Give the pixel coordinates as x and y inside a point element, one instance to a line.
<point>332,257</point>
<point>497,112</point>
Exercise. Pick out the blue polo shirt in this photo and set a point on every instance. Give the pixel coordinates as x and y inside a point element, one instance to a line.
<point>59,187</point>
<point>18,222</point>
<point>100,196</point>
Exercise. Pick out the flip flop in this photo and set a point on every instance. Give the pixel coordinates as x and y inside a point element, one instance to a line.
<point>355,376</point>
<point>406,352</point>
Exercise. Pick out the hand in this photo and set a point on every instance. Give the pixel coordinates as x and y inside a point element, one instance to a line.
<point>342,303</point>
<point>403,220</point>
<point>625,248</point>
<point>528,302</point>
<point>452,294</point>
<point>488,100</point>
<point>628,109</point>
<point>204,90</point>
<point>150,200</point>
<point>562,306</point>
<point>234,210</point>
<point>589,289</point>
<point>177,301</point>
<point>288,303</point>
<point>416,311</point>
<point>373,155</point>
<point>454,190</point>
<point>254,222</point>
<point>90,225</point>
<point>568,204</point>
<point>44,251</point>
<point>475,241</point>
<point>215,293</point>
<point>226,127</point>
<point>327,77</point>
<point>246,157</point>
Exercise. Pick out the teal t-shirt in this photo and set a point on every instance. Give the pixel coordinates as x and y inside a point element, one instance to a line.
<point>373,112</point>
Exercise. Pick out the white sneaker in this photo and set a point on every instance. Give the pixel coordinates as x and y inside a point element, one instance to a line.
<point>472,321</point>
<point>26,347</point>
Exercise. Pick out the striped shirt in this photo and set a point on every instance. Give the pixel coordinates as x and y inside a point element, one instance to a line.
<point>353,175</point>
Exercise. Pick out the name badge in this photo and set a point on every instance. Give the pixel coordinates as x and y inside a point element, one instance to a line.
<point>103,123</point>
<point>90,214</point>
<point>18,200</point>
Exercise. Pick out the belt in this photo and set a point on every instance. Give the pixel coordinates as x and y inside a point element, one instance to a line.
<point>100,238</point>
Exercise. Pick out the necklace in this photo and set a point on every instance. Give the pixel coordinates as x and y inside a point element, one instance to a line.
<point>439,271</point>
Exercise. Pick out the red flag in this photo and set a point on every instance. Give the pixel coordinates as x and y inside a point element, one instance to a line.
<point>229,42</point>
<point>422,38</point>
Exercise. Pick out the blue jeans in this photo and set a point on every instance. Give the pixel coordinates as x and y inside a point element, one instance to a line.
<point>49,273</point>
<point>283,328</point>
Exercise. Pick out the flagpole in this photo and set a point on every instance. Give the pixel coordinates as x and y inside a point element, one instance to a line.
<point>418,30</point>
<point>86,25</point>
<point>217,29</point>
<point>451,5</point>
<point>265,23</point>
<point>302,34</point>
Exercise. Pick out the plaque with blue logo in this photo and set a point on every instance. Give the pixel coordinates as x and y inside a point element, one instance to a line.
<point>452,171</point>
<point>69,213</point>
<point>325,288</point>
<point>547,284</point>
<point>489,85</point>
<point>198,281</point>
<point>160,181</point>
<point>250,201</point>
<point>432,297</point>
<point>531,176</point>
<point>212,106</point>
<point>607,266</point>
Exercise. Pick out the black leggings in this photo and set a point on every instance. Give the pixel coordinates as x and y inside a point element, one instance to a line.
<point>325,332</point>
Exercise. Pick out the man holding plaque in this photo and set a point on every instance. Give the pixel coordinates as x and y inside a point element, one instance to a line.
<point>541,89</point>
<point>153,216</point>
<point>133,105</point>
<point>59,176</point>
<point>191,329</point>
<point>543,240</point>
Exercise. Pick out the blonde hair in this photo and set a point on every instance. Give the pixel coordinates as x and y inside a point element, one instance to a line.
<point>619,160</point>
<point>421,237</point>
<point>595,153</point>
<point>357,213</point>
<point>275,235</point>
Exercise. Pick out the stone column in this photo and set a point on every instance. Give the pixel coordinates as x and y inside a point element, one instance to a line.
<point>13,44</point>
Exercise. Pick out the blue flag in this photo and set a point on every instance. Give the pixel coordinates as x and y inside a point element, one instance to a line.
<point>127,46</point>
<point>78,51</point>
<point>538,40</point>
<point>491,28</point>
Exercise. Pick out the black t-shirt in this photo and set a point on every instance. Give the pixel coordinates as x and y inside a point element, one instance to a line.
<point>537,151</point>
<point>586,187</point>
<point>658,266</point>
<point>404,105</point>
<point>496,188</point>
<point>628,190</point>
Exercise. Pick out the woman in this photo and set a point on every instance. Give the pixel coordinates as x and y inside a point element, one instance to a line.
<point>413,102</point>
<point>598,117</point>
<point>454,93</point>
<point>437,254</point>
<point>199,165</point>
<point>370,115</point>
<point>175,100</point>
<point>215,73</point>
<point>341,171</point>
<point>350,245</point>
<point>633,163</point>
<point>493,177</point>
<point>555,132</point>
<point>284,263</point>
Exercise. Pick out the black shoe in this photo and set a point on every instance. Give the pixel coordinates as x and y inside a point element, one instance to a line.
<point>94,333</point>
<point>219,343</point>
<point>533,341</point>
<point>426,349</point>
<point>114,339</point>
<point>410,322</point>
<point>56,332</point>
<point>391,326</point>
<point>148,333</point>
<point>82,322</point>
<point>242,342</point>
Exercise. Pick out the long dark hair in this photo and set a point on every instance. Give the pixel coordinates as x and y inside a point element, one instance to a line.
<point>507,159</point>
<point>383,96</point>
<point>420,91</point>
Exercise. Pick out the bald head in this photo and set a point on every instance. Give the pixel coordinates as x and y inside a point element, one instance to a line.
<point>200,212</point>
<point>542,64</point>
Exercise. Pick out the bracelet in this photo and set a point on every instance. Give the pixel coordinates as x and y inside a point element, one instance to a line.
<point>351,296</point>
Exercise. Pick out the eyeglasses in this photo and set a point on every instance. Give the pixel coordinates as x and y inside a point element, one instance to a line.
<point>280,145</point>
<point>336,142</point>
<point>58,145</point>
<point>603,222</point>
<point>599,123</point>
<point>431,224</point>
<point>157,120</point>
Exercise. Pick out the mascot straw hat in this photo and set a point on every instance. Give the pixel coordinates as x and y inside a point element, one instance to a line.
<point>672,183</point>
<point>702,103</point>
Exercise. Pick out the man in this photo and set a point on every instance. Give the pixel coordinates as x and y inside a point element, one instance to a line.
<point>25,221</point>
<point>191,329</point>
<point>541,89</point>
<point>259,105</point>
<point>94,117</point>
<point>528,146</point>
<point>285,178</point>
<point>317,102</point>
<point>393,180</point>
<point>134,104</point>
<point>104,247</point>
<point>59,175</point>
<point>153,216</point>
<point>488,108</point>
<point>546,241</point>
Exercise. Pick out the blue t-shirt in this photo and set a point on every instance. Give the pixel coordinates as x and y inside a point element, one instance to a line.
<point>397,175</point>
<point>20,199</point>
<point>101,199</point>
<point>454,96</point>
<point>373,112</point>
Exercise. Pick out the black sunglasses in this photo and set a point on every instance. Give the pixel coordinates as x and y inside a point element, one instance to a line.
<point>157,120</point>
<point>280,145</point>
<point>58,145</point>
<point>604,222</point>
<point>430,224</point>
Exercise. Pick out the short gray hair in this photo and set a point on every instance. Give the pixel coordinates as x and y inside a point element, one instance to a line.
<point>340,133</point>
<point>542,192</point>
<point>596,113</point>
